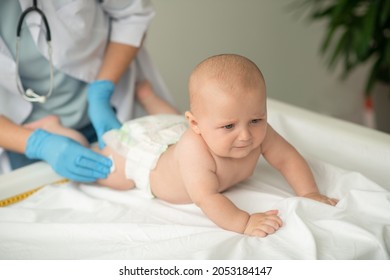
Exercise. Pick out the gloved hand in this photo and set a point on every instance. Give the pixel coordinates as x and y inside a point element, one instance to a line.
<point>100,112</point>
<point>67,157</point>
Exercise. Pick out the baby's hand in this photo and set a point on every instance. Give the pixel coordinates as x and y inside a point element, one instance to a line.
<point>322,198</point>
<point>262,224</point>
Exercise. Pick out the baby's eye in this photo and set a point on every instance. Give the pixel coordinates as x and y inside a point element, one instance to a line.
<point>229,126</point>
<point>255,121</point>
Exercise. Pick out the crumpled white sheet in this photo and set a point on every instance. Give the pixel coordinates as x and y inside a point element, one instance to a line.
<point>70,221</point>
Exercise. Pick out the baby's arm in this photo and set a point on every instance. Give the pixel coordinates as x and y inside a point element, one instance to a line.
<point>198,171</point>
<point>226,215</point>
<point>285,158</point>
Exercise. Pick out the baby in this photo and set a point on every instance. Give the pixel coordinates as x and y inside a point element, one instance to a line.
<point>217,144</point>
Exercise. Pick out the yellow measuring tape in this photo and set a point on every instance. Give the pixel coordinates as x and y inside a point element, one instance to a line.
<point>22,196</point>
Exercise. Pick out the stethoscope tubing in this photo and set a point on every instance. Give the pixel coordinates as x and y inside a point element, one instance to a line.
<point>29,94</point>
<point>34,8</point>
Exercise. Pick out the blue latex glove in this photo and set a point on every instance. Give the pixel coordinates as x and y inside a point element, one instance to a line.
<point>67,157</point>
<point>100,112</point>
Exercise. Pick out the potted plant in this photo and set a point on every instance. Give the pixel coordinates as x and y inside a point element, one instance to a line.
<point>357,32</point>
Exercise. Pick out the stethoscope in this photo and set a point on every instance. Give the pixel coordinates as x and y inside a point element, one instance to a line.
<point>29,94</point>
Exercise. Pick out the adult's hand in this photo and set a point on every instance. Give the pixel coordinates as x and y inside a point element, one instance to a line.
<point>100,112</point>
<point>67,157</point>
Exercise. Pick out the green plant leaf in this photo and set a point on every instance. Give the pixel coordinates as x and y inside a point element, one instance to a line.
<point>373,76</point>
<point>342,46</point>
<point>384,12</point>
<point>367,32</point>
<point>357,32</point>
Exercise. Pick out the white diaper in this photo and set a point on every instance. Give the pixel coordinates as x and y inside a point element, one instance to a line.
<point>142,141</point>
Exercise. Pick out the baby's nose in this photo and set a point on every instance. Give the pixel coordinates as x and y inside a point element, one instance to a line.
<point>245,135</point>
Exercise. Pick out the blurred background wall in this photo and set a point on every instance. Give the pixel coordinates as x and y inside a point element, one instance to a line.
<point>279,40</point>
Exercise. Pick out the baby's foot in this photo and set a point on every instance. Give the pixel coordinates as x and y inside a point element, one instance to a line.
<point>152,103</point>
<point>144,91</point>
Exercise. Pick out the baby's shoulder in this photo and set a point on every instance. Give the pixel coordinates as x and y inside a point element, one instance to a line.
<point>193,147</point>
<point>190,139</point>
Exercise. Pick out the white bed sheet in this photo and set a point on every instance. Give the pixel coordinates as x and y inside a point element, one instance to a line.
<point>71,221</point>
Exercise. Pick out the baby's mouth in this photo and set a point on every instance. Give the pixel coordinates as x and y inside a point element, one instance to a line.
<point>242,146</point>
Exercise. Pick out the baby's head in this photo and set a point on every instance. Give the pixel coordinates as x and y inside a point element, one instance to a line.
<point>233,74</point>
<point>225,91</point>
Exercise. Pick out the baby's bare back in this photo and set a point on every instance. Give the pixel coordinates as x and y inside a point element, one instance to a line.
<point>166,181</point>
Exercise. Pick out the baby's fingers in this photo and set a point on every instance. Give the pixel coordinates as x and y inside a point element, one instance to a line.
<point>272,212</point>
<point>272,216</point>
<point>274,222</point>
<point>327,200</point>
<point>263,224</point>
<point>265,229</point>
<point>332,201</point>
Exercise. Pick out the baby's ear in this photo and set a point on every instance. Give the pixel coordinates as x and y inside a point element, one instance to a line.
<point>192,122</point>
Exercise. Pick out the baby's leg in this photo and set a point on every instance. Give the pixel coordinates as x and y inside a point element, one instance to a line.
<point>117,179</point>
<point>152,103</point>
<point>53,124</point>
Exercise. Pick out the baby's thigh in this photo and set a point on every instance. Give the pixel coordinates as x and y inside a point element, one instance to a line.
<point>116,179</point>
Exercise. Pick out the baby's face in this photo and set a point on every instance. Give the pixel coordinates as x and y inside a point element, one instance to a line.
<point>233,124</point>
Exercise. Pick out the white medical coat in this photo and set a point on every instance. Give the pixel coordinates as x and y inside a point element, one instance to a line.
<point>79,30</point>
